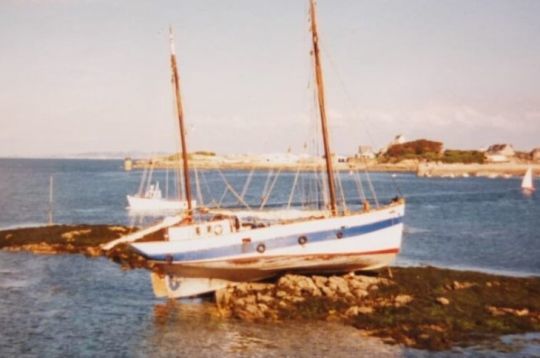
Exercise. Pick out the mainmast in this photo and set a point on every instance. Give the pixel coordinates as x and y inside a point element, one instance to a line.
<point>322,109</point>
<point>180,112</point>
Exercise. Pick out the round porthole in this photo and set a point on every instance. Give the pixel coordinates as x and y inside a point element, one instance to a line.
<point>261,248</point>
<point>339,234</point>
<point>302,240</point>
<point>218,230</point>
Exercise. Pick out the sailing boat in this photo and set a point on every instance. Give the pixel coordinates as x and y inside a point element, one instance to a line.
<point>201,257</point>
<point>527,185</point>
<point>153,200</point>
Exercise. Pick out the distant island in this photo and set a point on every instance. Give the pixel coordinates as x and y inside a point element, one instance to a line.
<point>424,157</point>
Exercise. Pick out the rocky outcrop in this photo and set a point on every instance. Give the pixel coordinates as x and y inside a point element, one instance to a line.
<point>74,239</point>
<point>319,297</point>
<point>421,307</point>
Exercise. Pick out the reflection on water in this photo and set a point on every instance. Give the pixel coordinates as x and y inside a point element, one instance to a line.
<point>196,328</point>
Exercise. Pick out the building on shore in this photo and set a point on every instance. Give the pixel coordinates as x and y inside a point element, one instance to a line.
<point>535,155</point>
<point>365,152</point>
<point>399,139</point>
<point>500,153</point>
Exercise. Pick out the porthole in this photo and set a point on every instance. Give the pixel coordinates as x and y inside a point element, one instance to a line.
<point>218,229</point>
<point>302,240</point>
<point>261,248</point>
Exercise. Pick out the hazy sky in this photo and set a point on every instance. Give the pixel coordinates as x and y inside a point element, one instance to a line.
<point>93,75</point>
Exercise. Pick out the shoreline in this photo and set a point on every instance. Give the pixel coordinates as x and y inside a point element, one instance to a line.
<point>420,307</point>
<point>489,170</point>
<point>422,169</point>
<point>261,165</point>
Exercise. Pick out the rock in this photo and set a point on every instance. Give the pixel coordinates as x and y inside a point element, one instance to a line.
<point>93,251</point>
<point>339,285</point>
<point>401,300</point>
<point>119,229</point>
<point>443,301</point>
<point>283,304</point>
<point>266,299</point>
<point>297,285</point>
<point>257,286</point>
<point>367,282</point>
<point>500,311</point>
<point>296,299</point>
<point>456,285</point>
<point>365,310</point>
<point>251,312</point>
<point>328,292</point>
<point>436,328</point>
<point>72,235</point>
<point>320,281</point>
<point>262,307</point>
<point>250,300</point>
<point>352,311</point>
<point>360,293</point>
<point>408,342</point>
<point>223,297</point>
<point>356,310</point>
<point>238,302</point>
<point>521,313</point>
<point>241,289</point>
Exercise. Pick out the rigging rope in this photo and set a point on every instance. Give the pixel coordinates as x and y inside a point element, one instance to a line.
<point>291,195</point>
<point>198,188</point>
<point>246,184</point>
<point>267,195</point>
<point>233,192</point>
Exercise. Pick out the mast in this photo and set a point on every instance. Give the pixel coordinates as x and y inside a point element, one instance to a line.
<point>51,178</point>
<point>180,112</point>
<point>322,109</point>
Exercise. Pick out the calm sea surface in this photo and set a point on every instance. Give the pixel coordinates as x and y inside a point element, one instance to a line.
<point>73,306</point>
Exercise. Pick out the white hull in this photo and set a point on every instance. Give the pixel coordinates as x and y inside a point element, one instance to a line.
<point>364,241</point>
<point>152,204</point>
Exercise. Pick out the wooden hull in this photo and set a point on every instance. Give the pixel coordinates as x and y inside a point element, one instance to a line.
<point>365,241</point>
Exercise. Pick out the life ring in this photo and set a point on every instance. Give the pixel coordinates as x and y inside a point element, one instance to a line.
<point>302,240</point>
<point>261,248</point>
<point>218,230</point>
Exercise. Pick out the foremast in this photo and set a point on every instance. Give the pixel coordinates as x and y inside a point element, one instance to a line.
<point>180,113</point>
<point>322,109</point>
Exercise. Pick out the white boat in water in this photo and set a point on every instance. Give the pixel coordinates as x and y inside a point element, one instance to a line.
<point>527,184</point>
<point>153,200</point>
<point>202,256</point>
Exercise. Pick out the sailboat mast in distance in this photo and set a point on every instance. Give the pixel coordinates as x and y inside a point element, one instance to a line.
<point>322,109</point>
<point>180,112</point>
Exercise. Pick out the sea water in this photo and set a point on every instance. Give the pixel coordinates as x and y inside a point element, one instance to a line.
<point>69,305</point>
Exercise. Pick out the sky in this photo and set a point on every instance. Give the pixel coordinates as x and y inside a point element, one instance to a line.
<point>79,76</point>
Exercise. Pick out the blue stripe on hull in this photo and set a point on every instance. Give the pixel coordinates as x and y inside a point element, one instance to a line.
<point>276,243</point>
